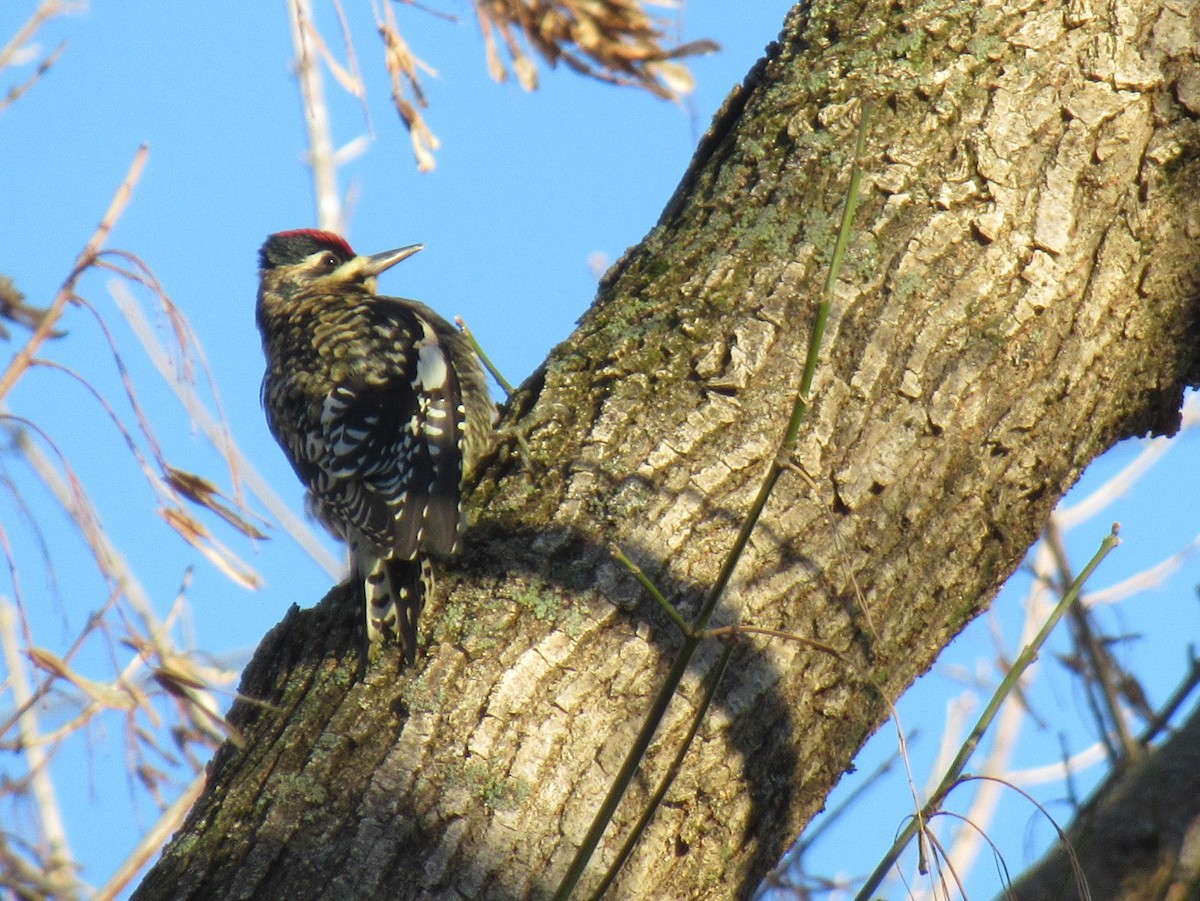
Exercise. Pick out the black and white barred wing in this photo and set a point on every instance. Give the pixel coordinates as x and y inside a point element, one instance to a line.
<point>389,466</point>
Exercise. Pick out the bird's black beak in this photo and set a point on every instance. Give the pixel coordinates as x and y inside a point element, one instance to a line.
<point>378,262</point>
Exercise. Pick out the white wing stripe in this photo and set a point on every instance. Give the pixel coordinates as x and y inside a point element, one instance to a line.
<point>431,366</point>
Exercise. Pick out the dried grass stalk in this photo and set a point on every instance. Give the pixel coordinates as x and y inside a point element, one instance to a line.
<point>610,40</point>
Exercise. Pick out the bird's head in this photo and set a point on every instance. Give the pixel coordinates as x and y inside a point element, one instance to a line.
<point>294,261</point>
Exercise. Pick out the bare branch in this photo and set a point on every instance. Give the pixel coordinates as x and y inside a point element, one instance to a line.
<point>60,864</point>
<point>402,66</point>
<point>46,11</point>
<point>216,431</point>
<point>15,93</point>
<point>316,117</point>
<point>87,256</point>
<point>162,829</point>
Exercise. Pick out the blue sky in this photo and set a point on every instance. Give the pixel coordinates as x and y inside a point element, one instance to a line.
<point>527,189</point>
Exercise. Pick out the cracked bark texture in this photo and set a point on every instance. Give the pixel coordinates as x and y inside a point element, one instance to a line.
<point>1021,292</point>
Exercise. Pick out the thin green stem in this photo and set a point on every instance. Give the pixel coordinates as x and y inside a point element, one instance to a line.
<point>1011,680</point>
<point>505,384</point>
<point>691,639</point>
<point>835,269</point>
<point>664,786</point>
<point>628,769</point>
<point>800,406</point>
<point>667,606</point>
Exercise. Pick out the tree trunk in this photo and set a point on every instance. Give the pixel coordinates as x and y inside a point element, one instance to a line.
<point>1020,293</point>
<point>1138,837</point>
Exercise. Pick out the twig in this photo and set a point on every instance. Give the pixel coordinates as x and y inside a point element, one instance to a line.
<point>166,824</point>
<point>47,10</point>
<point>955,771</point>
<point>402,67</point>
<point>1178,696</point>
<point>504,383</point>
<point>667,607</point>
<point>655,800</point>
<point>16,91</point>
<point>79,507</point>
<point>20,362</point>
<point>1082,890</point>
<point>968,842</point>
<point>215,431</point>
<point>1099,670</point>
<point>60,862</point>
<point>316,118</point>
<point>735,631</point>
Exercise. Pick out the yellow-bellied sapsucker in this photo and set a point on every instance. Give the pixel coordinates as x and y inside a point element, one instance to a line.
<point>380,405</point>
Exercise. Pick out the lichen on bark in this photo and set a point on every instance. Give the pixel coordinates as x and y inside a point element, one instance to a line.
<point>1021,294</point>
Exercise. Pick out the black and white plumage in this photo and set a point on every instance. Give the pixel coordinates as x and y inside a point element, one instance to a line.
<point>380,405</point>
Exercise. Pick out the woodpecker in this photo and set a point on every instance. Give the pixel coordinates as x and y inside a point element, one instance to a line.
<point>382,408</point>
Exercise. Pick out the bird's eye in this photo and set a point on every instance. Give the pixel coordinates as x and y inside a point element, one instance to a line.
<point>329,261</point>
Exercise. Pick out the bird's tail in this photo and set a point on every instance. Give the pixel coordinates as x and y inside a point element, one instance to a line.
<point>395,594</point>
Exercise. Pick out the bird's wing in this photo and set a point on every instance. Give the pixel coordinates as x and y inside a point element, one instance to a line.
<point>389,463</point>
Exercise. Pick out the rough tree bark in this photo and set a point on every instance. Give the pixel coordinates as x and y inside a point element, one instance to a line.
<point>1138,837</point>
<point>1021,293</point>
